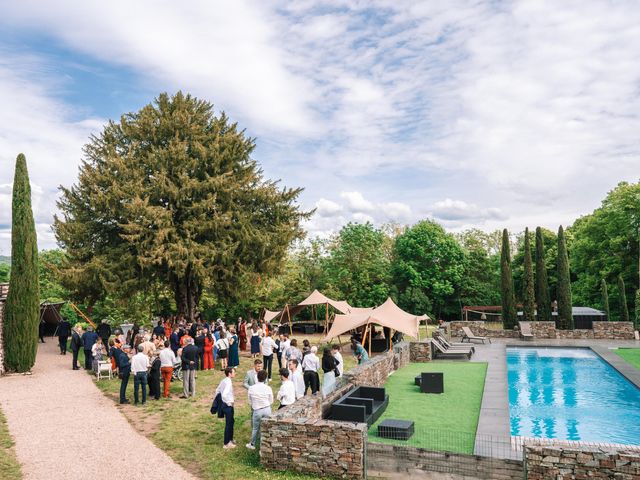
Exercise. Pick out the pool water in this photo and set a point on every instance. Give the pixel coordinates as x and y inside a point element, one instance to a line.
<point>570,394</point>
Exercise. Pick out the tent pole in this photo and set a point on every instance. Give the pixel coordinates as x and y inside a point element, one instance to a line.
<point>289,318</point>
<point>326,317</point>
<point>370,342</point>
<point>391,336</point>
<point>364,334</point>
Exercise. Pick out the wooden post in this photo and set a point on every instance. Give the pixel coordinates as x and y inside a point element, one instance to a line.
<point>391,336</point>
<point>289,318</point>
<point>364,335</point>
<point>326,317</point>
<point>370,342</point>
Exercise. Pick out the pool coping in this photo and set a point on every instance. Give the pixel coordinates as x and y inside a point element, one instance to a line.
<point>494,421</point>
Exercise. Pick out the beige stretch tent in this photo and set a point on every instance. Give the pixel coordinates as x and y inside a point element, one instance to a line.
<point>316,298</point>
<point>386,315</point>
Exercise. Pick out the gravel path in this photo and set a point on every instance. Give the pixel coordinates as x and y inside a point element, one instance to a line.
<point>65,428</point>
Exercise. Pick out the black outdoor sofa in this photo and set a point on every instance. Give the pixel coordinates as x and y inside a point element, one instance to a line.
<point>361,404</point>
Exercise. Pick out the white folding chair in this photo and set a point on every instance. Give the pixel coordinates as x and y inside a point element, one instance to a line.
<point>104,370</point>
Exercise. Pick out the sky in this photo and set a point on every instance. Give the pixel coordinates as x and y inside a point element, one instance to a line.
<point>477,114</point>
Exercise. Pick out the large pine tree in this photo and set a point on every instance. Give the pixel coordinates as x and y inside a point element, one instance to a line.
<point>624,309</point>
<point>528,293</point>
<point>170,196</point>
<point>565,308</point>
<point>543,299</point>
<point>23,304</point>
<point>605,298</point>
<point>637,322</point>
<point>509,314</point>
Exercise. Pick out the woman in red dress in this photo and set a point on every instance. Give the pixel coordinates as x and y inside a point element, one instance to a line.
<point>208,350</point>
<point>242,334</point>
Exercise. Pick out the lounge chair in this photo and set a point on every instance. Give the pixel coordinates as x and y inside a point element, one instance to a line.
<point>468,335</point>
<point>525,331</point>
<point>448,345</point>
<point>440,351</point>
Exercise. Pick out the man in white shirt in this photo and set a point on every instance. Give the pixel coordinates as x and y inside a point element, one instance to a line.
<point>225,389</point>
<point>139,366</point>
<point>338,356</point>
<point>268,345</point>
<point>287,393</point>
<point>296,377</point>
<point>260,399</point>
<point>167,361</point>
<point>310,367</point>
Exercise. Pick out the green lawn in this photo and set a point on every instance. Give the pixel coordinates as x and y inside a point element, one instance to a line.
<point>631,355</point>
<point>446,421</point>
<point>193,437</point>
<point>9,466</point>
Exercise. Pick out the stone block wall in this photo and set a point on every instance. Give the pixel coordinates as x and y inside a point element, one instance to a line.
<point>373,373</point>
<point>1,342</point>
<point>479,329</point>
<point>421,351</point>
<point>613,330</point>
<point>410,462</point>
<point>543,462</point>
<point>315,446</point>
<point>402,355</point>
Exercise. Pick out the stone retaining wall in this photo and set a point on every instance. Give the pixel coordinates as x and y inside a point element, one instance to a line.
<point>412,461</point>
<point>543,462</point>
<point>420,351</point>
<point>601,330</point>
<point>1,341</point>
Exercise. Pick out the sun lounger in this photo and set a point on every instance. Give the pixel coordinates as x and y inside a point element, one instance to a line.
<point>525,331</point>
<point>468,335</point>
<point>448,345</point>
<point>441,352</point>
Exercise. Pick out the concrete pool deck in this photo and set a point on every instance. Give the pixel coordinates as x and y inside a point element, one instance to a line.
<point>494,430</point>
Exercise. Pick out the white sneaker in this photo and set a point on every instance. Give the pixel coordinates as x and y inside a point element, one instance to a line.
<point>250,446</point>
<point>229,446</point>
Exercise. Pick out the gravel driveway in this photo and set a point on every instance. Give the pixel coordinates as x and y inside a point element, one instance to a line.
<point>64,427</point>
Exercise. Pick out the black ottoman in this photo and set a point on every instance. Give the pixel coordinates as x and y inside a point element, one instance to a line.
<point>432,382</point>
<point>395,429</point>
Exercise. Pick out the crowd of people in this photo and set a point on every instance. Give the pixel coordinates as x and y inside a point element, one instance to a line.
<point>154,356</point>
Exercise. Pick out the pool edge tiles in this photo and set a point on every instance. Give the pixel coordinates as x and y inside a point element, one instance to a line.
<point>570,394</point>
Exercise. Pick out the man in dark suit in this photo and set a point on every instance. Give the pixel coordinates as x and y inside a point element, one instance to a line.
<point>174,338</point>
<point>104,332</point>
<point>88,339</point>
<point>159,329</point>
<point>76,345</point>
<point>124,371</point>
<point>41,329</point>
<point>189,367</point>
<point>64,330</point>
<point>199,342</point>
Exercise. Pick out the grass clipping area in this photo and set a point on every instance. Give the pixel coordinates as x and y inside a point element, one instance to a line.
<point>443,422</point>
<point>630,355</point>
<point>9,466</point>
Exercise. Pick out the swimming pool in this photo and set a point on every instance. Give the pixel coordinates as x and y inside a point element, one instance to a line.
<point>570,394</point>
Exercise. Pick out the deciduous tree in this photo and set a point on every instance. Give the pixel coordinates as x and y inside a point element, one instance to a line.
<point>605,298</point>
<point>624,309</point>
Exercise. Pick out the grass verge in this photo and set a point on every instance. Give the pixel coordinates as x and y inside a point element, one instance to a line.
<point>9,466</point>
<point>445,422</point>
<point>630,355</point>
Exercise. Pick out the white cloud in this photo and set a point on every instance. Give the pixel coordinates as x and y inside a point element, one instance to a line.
<point>459,210</point>
<point>327,208</point>
<point>356,202</point>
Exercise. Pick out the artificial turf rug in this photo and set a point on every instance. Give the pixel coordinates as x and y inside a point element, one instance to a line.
<point>443,422</point>
<point>631,355</point>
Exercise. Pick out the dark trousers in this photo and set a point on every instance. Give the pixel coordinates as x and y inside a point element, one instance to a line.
<point>200,360</point>
<point>63,344</point>
<point>75,358</point>
<point>279,360</point>
<point>229,421</point>
<point>88,359</point>
<point>267,362</point>
<point>140,380</point>
<point>311,380</point>
<point>124,373</point>
<point>154,387</point>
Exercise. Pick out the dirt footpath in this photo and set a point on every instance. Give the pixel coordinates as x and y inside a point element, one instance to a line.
<point>64,427</point>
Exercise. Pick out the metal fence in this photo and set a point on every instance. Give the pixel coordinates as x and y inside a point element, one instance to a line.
<point>442,451</point>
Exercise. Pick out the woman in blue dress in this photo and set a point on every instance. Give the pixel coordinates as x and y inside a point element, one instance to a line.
<point>255,341</point>
<point>234,356</point>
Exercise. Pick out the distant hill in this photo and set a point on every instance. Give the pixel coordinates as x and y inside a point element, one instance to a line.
<point>4,259</point>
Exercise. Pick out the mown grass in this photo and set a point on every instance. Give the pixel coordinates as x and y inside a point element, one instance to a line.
<point>193,437</point>
<point>630,355</point>
<point>444,422</point>
<point>9,466</point>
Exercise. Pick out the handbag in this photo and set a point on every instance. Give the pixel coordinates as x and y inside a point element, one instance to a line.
<point>335,369</point>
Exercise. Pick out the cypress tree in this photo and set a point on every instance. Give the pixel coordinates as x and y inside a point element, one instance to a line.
<point>509,314</point>
<point>543,299</point>
<point>23,305</point>
<point>565,314</point>
<point>528,295</point>
<point>637,323</point>
<point>624,310</point>
<point>605,298</point>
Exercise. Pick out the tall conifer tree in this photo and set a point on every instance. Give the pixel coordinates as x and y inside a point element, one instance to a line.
<point>624,309</point>
<point>605,298</point>
<point>528,294</point>
<point>23,304</point>
<point>565,313</point>
<point>543,299</point>
<point>637,322</point>
<point>509,314</point>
